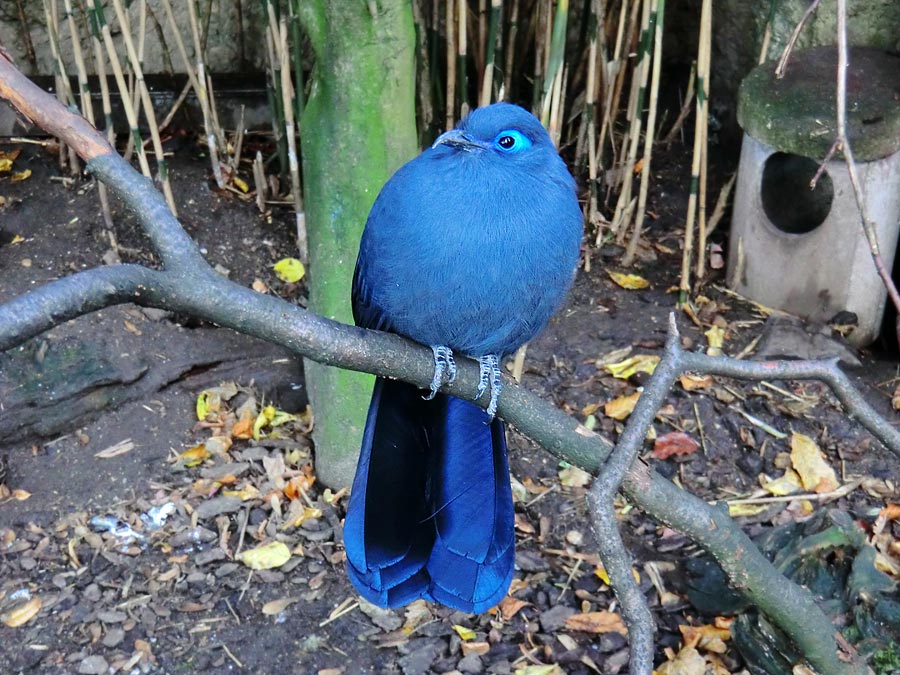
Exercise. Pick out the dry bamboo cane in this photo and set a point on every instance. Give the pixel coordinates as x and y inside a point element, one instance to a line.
<point>287,93</point>
<point>699,124</point>
<point>87,108</point>
<point>450,117</point>
<point>103,28</point>
<point>510,48</point>
<point>63,87</point>
<point>642,69</point>
<point>590,114</point>
<point>199,88</point>
<point>649,135</point>
<point>487,81</point>
<point>462,50</point>
<point>148,107</point>
<point>704,163</point>
<point>615,78</point>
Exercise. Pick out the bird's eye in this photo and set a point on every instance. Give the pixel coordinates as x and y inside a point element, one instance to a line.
<point>512,141</point>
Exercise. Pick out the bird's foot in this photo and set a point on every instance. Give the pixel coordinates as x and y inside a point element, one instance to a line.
<point>489,376</point>
<point>444,369</point>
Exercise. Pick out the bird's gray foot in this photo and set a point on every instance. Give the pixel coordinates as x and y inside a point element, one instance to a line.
<point>489,376</point>
<point>444,369</point>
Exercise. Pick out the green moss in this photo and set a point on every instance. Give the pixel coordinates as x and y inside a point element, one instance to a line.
<point>797,113</point>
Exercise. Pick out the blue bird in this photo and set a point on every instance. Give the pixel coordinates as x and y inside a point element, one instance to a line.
<point>469,248</point>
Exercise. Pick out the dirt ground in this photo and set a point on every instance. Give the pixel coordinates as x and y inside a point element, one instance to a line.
<point>115,591</point>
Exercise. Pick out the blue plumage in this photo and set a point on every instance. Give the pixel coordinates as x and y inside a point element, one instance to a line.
<point>470,246</point>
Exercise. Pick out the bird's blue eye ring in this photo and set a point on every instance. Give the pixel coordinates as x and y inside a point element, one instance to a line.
<point>511,141</point>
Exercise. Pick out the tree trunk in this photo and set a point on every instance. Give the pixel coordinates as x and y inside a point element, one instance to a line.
<point>357,129</point>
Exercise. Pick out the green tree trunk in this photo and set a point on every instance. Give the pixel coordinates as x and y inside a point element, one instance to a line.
<point>358,127</point>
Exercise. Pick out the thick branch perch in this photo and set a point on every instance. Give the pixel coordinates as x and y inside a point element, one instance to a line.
<point>223,302</point>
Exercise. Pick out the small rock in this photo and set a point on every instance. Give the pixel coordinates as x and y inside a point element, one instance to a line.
<point>470,664</point>
<point>111,616</point>
<point>530,561</point>
<point>93,665</point>
<point>555,618</point>
<point>209,556</point>
<point>575,537</point>
<point>217,506</point>
<point>385,619</point>
<point>113,637</point>
<point>420,654</point>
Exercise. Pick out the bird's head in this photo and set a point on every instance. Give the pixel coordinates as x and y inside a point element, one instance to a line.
<point>498,130</point>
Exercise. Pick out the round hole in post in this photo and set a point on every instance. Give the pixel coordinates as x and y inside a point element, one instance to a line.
<point>787,199</point>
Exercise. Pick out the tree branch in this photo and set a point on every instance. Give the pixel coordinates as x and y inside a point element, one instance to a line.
<point>223,302</point>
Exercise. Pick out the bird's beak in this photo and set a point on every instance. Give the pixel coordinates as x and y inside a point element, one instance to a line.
<point>457,138</point>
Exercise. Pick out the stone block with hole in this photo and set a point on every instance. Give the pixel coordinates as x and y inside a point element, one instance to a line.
<point>802,249</point>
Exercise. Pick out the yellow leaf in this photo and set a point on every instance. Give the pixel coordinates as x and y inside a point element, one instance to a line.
<point>809,462</point>
<point>194,456</point>
<point>715,336</point>
<point>289,270</point>
<point>572,476</point>
<point>552,669</point>
<point>266,557</point>
<point>19,176</point>
<point>463,632</point>
<point>5,164</point>
<point>620,408</point>
<point>738,510</point>
<point>640,363</point>
<point>241,184</point>
<point>245,493</point>
<point>202,405</point>
<point>17,239</point>
<point>788,484</point>
<point>20,495</point>
<point>23,613</point>
<point>631,282</point>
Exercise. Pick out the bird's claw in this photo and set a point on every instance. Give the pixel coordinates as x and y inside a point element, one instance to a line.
<point>444,369</point>
<point>489,376</point>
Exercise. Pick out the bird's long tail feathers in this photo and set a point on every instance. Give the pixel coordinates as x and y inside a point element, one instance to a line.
<point>431,511</point>
<point>471,563</point>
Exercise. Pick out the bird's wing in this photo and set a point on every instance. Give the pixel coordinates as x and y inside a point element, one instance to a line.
<point>366,312</point>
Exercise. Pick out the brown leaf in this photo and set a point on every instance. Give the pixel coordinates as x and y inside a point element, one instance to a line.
<point>510,606</point>
<point>674,443</point>
<point>597,622</point>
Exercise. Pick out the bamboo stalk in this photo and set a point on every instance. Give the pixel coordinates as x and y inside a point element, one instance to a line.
<point>699,126</point>
<point>87,109</point>
<point>26,35</point>
<point>63,87</point>
<point>649,135</point>
<point>297,54</point>
<point>704,163</point>
<point>148,107</point>
<point>598,9</point>
<point>273,85</point>
<point>98,19</point>
<point>462,50</point>
<point>642,69</point>
<point>487,81</point>
<point>510,47</point>
<point>450,116</point>
<point>290,134</point>
<point>259,180</point>
<point>199,87</point>
<point>555,59</point>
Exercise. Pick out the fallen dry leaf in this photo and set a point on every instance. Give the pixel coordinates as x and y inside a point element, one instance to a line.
<point>809,462</point>
<point>674,443</point>
<point>620,408</point>
<point>267,556</point>
<point>640,363</point>
<point>597,622</point>
<point>22,614</point>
